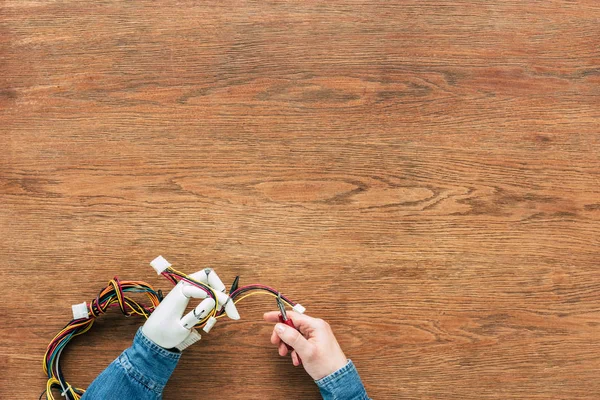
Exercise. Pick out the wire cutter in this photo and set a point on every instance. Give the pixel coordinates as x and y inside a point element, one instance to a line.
<point>283,318</point>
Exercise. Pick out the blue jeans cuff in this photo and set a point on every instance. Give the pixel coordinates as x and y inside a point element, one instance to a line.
<point>342,384</point>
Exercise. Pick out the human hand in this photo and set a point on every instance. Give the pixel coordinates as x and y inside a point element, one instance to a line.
<point>315,344</point>
<point>167,328</point>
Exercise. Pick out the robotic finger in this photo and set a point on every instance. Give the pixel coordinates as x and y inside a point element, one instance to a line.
<point>197,314</point>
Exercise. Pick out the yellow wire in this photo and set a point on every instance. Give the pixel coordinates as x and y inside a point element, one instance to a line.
<point>49,384</point>
<point>252,294</point>
<point>72,391</point>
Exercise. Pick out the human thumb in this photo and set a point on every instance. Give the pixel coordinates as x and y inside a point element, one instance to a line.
<point>292,337</point>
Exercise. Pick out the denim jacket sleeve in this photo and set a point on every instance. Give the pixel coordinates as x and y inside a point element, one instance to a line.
<point>343,384</point>
<point>140,372</point>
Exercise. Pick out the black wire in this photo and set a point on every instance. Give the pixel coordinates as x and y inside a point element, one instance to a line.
<point>251,288</point>
<point>235,284</point>
<point>238,292</point>
<point>40,398</point>
<point>63,382</point>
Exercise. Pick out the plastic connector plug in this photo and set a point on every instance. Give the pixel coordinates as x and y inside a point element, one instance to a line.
<point>209,324</point>
<point>80,311</point>
<point>159,264</point>
<point>192,338</point>
<point>299,308</point>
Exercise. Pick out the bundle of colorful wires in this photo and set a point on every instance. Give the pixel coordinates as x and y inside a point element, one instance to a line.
<point>115,294</point>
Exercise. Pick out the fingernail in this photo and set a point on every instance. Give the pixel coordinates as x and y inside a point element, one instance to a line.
<point>280,328</point>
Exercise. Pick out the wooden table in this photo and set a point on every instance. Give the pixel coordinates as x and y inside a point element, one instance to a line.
<point>422,174</point>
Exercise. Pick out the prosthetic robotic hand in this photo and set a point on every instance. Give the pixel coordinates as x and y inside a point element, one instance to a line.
<point>167,326</point>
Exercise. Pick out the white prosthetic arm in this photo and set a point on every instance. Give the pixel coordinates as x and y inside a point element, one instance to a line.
<point>168,327</point>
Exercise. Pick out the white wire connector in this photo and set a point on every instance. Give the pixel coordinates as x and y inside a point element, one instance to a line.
<point>160,264</point>
<point>192,338</point>
<point>80,311</point>
<point>209,324</point>
<point>299,308</point>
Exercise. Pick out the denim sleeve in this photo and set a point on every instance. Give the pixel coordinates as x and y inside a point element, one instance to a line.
<point>140,372</point>
<point>343,384</point>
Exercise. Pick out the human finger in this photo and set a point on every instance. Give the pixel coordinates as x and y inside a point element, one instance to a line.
<point>283,350</point>
<point>295,359</point>
<point>294,338</point>
<point>271,316</point>
<point>275,338</point>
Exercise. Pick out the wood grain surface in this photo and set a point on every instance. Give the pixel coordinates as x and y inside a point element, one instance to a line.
<point>422,174</point>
